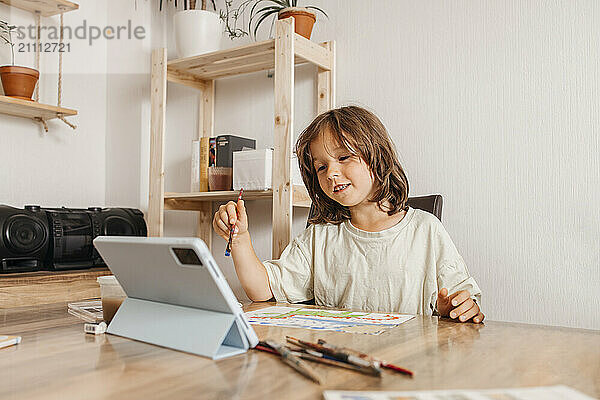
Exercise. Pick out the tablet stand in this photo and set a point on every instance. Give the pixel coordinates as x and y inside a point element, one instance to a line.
<point>203,332</point>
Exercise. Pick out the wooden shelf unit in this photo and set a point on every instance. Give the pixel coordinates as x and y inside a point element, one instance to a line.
<point>191,201</point>
<point>281,54</point>
<point>46,8</point>
<point>32,109</point>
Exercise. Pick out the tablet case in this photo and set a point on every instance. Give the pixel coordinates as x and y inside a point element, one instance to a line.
<point>206,333</point>
<point>184,307</point>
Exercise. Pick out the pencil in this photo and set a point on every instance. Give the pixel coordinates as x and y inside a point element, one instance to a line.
<point>293,361</point>
<point>228,249</point>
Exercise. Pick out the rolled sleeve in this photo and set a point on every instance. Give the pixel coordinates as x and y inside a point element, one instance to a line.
<point>452,272</point>
<point>455,277</point>
<point>291,276</point>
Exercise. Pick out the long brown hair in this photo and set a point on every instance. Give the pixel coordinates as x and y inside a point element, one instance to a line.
<point>362,134</point>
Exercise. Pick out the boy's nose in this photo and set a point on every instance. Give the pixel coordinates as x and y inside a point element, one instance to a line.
<point>332,173</point>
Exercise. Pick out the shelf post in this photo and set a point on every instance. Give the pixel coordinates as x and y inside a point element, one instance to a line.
<point>283,135</point>
<point>326,82</point>
<point>158,99</point>
<point>206,116</point>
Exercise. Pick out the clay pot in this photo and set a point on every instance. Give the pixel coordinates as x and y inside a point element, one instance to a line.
<point>18,82</point>
<point>304,19</point>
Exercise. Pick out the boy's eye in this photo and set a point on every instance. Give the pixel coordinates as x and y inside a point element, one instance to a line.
<point>342,158</point>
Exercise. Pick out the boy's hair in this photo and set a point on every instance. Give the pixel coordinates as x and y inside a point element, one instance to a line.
<point>363,134</point>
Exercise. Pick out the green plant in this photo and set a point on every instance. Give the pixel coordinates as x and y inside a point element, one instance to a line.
<point>257,15</point>
<point>6,35</point>
<point>190,4</point>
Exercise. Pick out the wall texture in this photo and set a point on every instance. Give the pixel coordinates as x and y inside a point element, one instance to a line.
<point>493,104</point>
<point>62,167</point>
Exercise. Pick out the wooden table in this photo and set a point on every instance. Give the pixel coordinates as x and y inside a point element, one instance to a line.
<point>56,360</point>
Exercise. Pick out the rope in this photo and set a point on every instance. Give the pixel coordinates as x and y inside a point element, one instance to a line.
<point>60,55</point>
<point>40,120</point>
<point>60,61</point>
<point>37,53</point>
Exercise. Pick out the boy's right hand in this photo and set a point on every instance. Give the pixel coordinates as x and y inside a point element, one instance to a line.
<point>231,214</point>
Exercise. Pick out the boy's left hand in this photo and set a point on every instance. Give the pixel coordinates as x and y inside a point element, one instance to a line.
<point>459,306</point>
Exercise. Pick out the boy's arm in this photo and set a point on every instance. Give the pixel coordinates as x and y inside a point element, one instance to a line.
<point>250,271</point>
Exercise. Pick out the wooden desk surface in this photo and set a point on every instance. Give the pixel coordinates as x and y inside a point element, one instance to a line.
<point>56,360</point>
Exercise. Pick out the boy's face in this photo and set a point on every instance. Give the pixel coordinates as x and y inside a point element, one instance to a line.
<point>343,177</point>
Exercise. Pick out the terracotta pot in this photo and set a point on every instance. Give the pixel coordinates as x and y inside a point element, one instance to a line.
<point>19,82</point>
<point>304,19</point>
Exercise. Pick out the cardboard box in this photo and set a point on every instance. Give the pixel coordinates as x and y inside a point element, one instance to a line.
<point>253,170</point>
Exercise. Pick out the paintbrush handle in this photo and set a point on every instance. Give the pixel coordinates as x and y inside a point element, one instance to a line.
<point>289,358</point>
<point>333,363</point>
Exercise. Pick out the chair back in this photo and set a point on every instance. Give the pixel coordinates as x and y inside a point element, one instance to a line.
<point>431,203</point>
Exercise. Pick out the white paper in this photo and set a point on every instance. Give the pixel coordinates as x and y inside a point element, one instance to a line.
<point>530,393</point>
<point>327,320</point>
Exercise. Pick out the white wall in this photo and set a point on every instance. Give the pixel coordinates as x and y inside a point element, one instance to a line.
<point>62,167</point>
<point>494,104</point>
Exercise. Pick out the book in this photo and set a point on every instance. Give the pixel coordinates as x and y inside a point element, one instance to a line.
<point>212,152</point>
<point>196,184</point>
<point>204,163</point>
<point>227,144</point>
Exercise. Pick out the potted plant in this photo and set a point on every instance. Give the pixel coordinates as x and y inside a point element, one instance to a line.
<point>261,10</point>
<point>17,81</point>
<point>196,31</point>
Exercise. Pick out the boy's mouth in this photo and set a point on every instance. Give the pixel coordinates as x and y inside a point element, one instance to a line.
<point>339,188</point>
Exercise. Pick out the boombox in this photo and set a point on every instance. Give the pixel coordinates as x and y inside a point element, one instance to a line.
<point>36,238</point>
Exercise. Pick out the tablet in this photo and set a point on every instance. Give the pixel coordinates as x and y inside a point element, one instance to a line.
<point>176,274</point>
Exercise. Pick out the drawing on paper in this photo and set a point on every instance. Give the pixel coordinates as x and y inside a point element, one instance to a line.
<point>328,320</point>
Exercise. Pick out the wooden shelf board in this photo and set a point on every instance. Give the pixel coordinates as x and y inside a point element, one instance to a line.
<point>46,8</point>
<point>41,287</point>
<point>31,109</point>
<point>246,59</point>
<point>191,201</point>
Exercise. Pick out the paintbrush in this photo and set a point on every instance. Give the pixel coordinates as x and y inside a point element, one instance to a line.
<point>293,361</point>
<point>383,364</point>
<point>366,366</point>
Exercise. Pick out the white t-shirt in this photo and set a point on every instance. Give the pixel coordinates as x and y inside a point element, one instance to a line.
<point>400,269</point>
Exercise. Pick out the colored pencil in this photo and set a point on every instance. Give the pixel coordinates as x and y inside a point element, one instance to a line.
<point>228,249</point>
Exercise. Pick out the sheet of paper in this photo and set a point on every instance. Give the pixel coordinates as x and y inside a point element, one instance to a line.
<point>531,393</point>
<point>327,320</point>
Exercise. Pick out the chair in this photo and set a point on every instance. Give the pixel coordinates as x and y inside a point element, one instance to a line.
<point>431,203</point>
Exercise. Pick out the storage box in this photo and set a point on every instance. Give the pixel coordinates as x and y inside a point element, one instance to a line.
<point>252,170</point>
<point>227,144</point>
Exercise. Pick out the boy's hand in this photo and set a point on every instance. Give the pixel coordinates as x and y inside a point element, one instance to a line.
<point>459,305</point>
<point>231,214</point>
